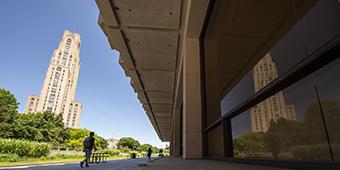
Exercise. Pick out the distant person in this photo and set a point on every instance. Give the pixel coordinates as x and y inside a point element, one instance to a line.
<point>161,153</point>
<point>149,153</point>
<point>88,145</point>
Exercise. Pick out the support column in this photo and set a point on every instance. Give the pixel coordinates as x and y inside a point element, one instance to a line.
<point>171,149</point>
<point>176,135</point>
<point>192,113</point>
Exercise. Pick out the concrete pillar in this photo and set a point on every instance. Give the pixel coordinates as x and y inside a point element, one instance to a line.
<point>171,145</point>
<point>192,113</point>
<point>176,142</point>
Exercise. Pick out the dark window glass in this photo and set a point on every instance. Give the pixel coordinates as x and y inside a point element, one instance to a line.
<point>289,125</point>
<point>316,28</point>
<point>328,89</point>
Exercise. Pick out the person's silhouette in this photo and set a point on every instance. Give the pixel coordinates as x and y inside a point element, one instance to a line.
<point>160,152</point>
<point>149,153</point>
<point>88,145</point>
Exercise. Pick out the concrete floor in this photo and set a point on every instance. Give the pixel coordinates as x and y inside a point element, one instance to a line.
<point>171,163</point>
<point>168,163</point>
<point>124,164</point>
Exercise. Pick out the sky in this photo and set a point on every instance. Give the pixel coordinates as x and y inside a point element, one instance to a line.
<point>31,30</point>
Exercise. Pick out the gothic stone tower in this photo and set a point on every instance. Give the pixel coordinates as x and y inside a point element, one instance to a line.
<point>58,91</point>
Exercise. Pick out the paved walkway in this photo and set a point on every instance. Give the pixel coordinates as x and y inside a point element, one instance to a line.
<point>124,164</point>
<point>168,163</point>
<point>171,163</point>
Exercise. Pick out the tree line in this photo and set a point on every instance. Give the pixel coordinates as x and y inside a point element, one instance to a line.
<point>49,127</point>
<point>41,127</point>
<point>131,144</point>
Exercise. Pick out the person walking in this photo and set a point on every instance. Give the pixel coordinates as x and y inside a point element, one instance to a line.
<point>160,153</point>
<point>149,153</point>
<point>88,145</point>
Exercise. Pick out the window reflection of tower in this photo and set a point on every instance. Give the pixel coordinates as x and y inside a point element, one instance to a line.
<point>273,107</point>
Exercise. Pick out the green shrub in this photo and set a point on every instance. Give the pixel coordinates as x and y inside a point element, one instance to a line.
<point>39,150</point>
<point>9,157</point>
<point>286,156</point>
<point>44,158</point>
<point>111,152</point>
<point>125,150</point>
<point>314,152</point>
<point>131,152</point>
<point>20,147</point>
<point>24,148</point>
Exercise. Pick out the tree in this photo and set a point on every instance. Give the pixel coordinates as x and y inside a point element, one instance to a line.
<point>77,136</point>
<point>155,149</point>
<point>128,142</point>
<point>8,110</point>
<point>274,143</point>
<point>101,142</point>
<point>250,143</point>
<point>283,134</point>
<point>125,150</point>
<point>313,121</point>
<point>42,127</point>
<point>8,106</point>
<point>75,144</point>
<point>145,147</point>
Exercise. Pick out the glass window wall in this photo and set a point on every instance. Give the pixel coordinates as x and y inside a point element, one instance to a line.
<point>299,123</point>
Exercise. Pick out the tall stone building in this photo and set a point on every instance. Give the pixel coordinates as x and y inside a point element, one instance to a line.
<point>58,91</point>
<point>112,143</point>
<point>275,106</point>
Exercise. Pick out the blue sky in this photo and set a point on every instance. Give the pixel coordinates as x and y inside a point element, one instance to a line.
<point>31,30</point>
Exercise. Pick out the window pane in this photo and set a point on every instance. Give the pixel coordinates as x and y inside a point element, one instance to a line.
<point>289,124</point>
<point>316,28</point>
<point>328,87</point>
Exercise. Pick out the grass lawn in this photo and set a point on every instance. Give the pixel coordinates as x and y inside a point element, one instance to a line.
<point>39,161</point>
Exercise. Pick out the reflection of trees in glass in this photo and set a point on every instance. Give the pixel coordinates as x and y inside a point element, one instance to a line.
<point>281,135</point>
<point>301,140</point>
<point>313,122</point>
<point>250,143</point>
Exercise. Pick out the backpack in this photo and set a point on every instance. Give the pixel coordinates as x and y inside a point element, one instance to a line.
<point>88,142</point>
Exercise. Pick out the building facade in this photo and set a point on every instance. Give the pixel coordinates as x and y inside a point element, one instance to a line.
<point>194,65</point>
<point>112,143</point>
<point>59,88</point>
<point>273,108</point>
<point>31,104</point>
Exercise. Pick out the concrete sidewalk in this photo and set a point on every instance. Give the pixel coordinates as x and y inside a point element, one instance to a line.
<point>173,163</point>
<point>122,164</point>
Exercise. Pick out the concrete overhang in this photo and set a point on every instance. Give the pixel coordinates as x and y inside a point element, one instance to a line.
<point>149,35</point>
